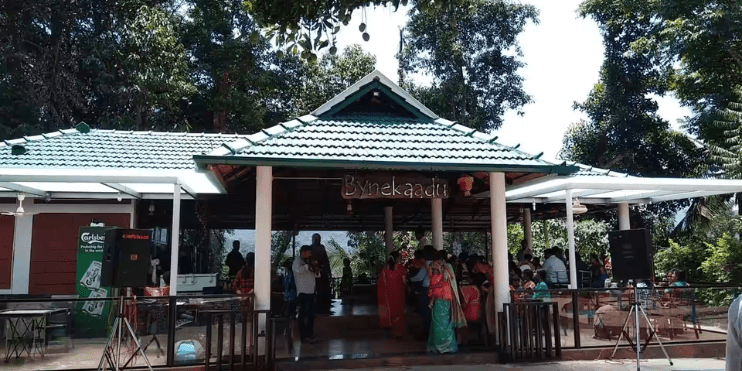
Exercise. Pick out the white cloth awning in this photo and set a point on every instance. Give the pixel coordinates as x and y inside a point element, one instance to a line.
<point>106,183</point>
<point>615,190</point>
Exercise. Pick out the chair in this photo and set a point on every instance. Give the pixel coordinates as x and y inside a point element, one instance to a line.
<point>61,325</point>
<point>562,279</point>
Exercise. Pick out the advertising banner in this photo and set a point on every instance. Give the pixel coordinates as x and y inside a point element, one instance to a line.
<point>91,317</point>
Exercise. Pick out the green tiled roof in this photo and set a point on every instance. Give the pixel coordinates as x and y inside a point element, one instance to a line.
<point>378,142</point>
<point>110,149</point>
<point>585,170</point>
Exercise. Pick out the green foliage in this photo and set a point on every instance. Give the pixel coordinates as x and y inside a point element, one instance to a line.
<point>280,247</point>
<point>337,254</point>
<point>624,131</point>
<point>724,260</point>
<point>698,45</point>
<point>516,236</point>
<point>471,51</point>
<point>591,237</point>
<point>675,256</point>
<point>729,154</point>
<point>242,84</point>
<point>312,25</point>
<point>366,247</point>
<point>62,62</point>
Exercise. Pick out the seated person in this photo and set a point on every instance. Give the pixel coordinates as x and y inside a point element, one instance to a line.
<point>539,292</point>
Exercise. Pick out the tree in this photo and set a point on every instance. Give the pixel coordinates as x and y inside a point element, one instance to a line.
<point>66,62</point>
<point>331,75</point>
<point>313,25</point>
<point>625,132</point>
<point>143,75</point>
<point>366,247</point>
<point>243,86</point>
<point>729,154</point>
<point>701,41</point>
<point>471,51</point>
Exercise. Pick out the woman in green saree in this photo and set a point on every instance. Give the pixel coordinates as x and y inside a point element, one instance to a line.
<point>446,308</point>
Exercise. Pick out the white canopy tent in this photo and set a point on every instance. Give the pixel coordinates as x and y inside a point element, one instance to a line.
<point>112,184</point>
<point>602,187</point>
<point>106,183</point>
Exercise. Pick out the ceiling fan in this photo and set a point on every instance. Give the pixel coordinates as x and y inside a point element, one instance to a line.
<point>19,211</point>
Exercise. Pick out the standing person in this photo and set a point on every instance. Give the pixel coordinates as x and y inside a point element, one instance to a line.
<point>422,241</point>
<point>324,282</point>
<point>734,336</point>
<point>346,283</point>
<point>424,283</point>
<point>289,288</point>
<point>391,296</point>
<point>306,270</point>
<point>234,260</point>
<point>447,313</point>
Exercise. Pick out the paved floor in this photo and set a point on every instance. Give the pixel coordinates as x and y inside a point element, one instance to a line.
<point>625,365</point>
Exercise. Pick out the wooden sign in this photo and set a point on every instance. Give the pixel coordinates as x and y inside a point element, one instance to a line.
<point>389,185</point>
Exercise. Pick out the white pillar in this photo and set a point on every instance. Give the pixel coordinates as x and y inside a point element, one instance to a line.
<point>571,241</point>
<point>437,222</point>
<point>499,239</point>
<point>263,228</point>
<point>623,216</point>
<point>174,248</point>
<point>527,228</point>
<point>388,229</point>
<point>22,239</point>
<point>133,215</point>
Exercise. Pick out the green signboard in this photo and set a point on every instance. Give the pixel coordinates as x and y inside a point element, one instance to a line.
<point>91,317</point>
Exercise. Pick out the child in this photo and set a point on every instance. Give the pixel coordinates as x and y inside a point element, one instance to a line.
<point>346,284</point>
<point>540,289</point>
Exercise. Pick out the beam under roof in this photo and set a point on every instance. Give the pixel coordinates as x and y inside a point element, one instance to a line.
<point>25,189</point>
<point>123,189</point>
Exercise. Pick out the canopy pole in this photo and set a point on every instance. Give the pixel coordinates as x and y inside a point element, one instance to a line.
<point>388,229</point>
<point>527,228</point>
<point>624,222</point>
<point>263,227</point>
<point>437,222</point>
<point>571,241</point>
<point>498,209</point>
<point>175,240</point>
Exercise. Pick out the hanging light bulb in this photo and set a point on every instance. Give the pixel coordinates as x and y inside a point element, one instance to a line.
<point>118,197</point>
<point>152,209</point>
<point>534,205</point>
<point>350,207</point>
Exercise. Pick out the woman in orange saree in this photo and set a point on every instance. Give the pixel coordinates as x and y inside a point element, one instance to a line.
<point>391,296</point>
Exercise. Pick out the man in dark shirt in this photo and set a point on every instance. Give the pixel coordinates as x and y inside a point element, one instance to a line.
<point>324,292</point>
<point>234,261</point>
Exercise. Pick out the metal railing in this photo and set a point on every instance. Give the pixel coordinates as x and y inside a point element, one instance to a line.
<point>530,331</point>
<point>188,319</point>
<point>593,317</point>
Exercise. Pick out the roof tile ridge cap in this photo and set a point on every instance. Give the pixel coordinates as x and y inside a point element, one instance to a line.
<point>469,133</point>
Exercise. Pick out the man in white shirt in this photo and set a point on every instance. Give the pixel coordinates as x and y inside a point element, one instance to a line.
<point>422,240</point>
<point>555,269</point>
<point>306,270</point>
<point>734,336</point>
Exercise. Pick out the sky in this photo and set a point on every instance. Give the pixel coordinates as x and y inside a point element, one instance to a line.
<point>563,54</point>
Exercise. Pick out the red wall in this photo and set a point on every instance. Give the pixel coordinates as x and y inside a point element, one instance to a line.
<point>54,250</point>
<point>7,227</point>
